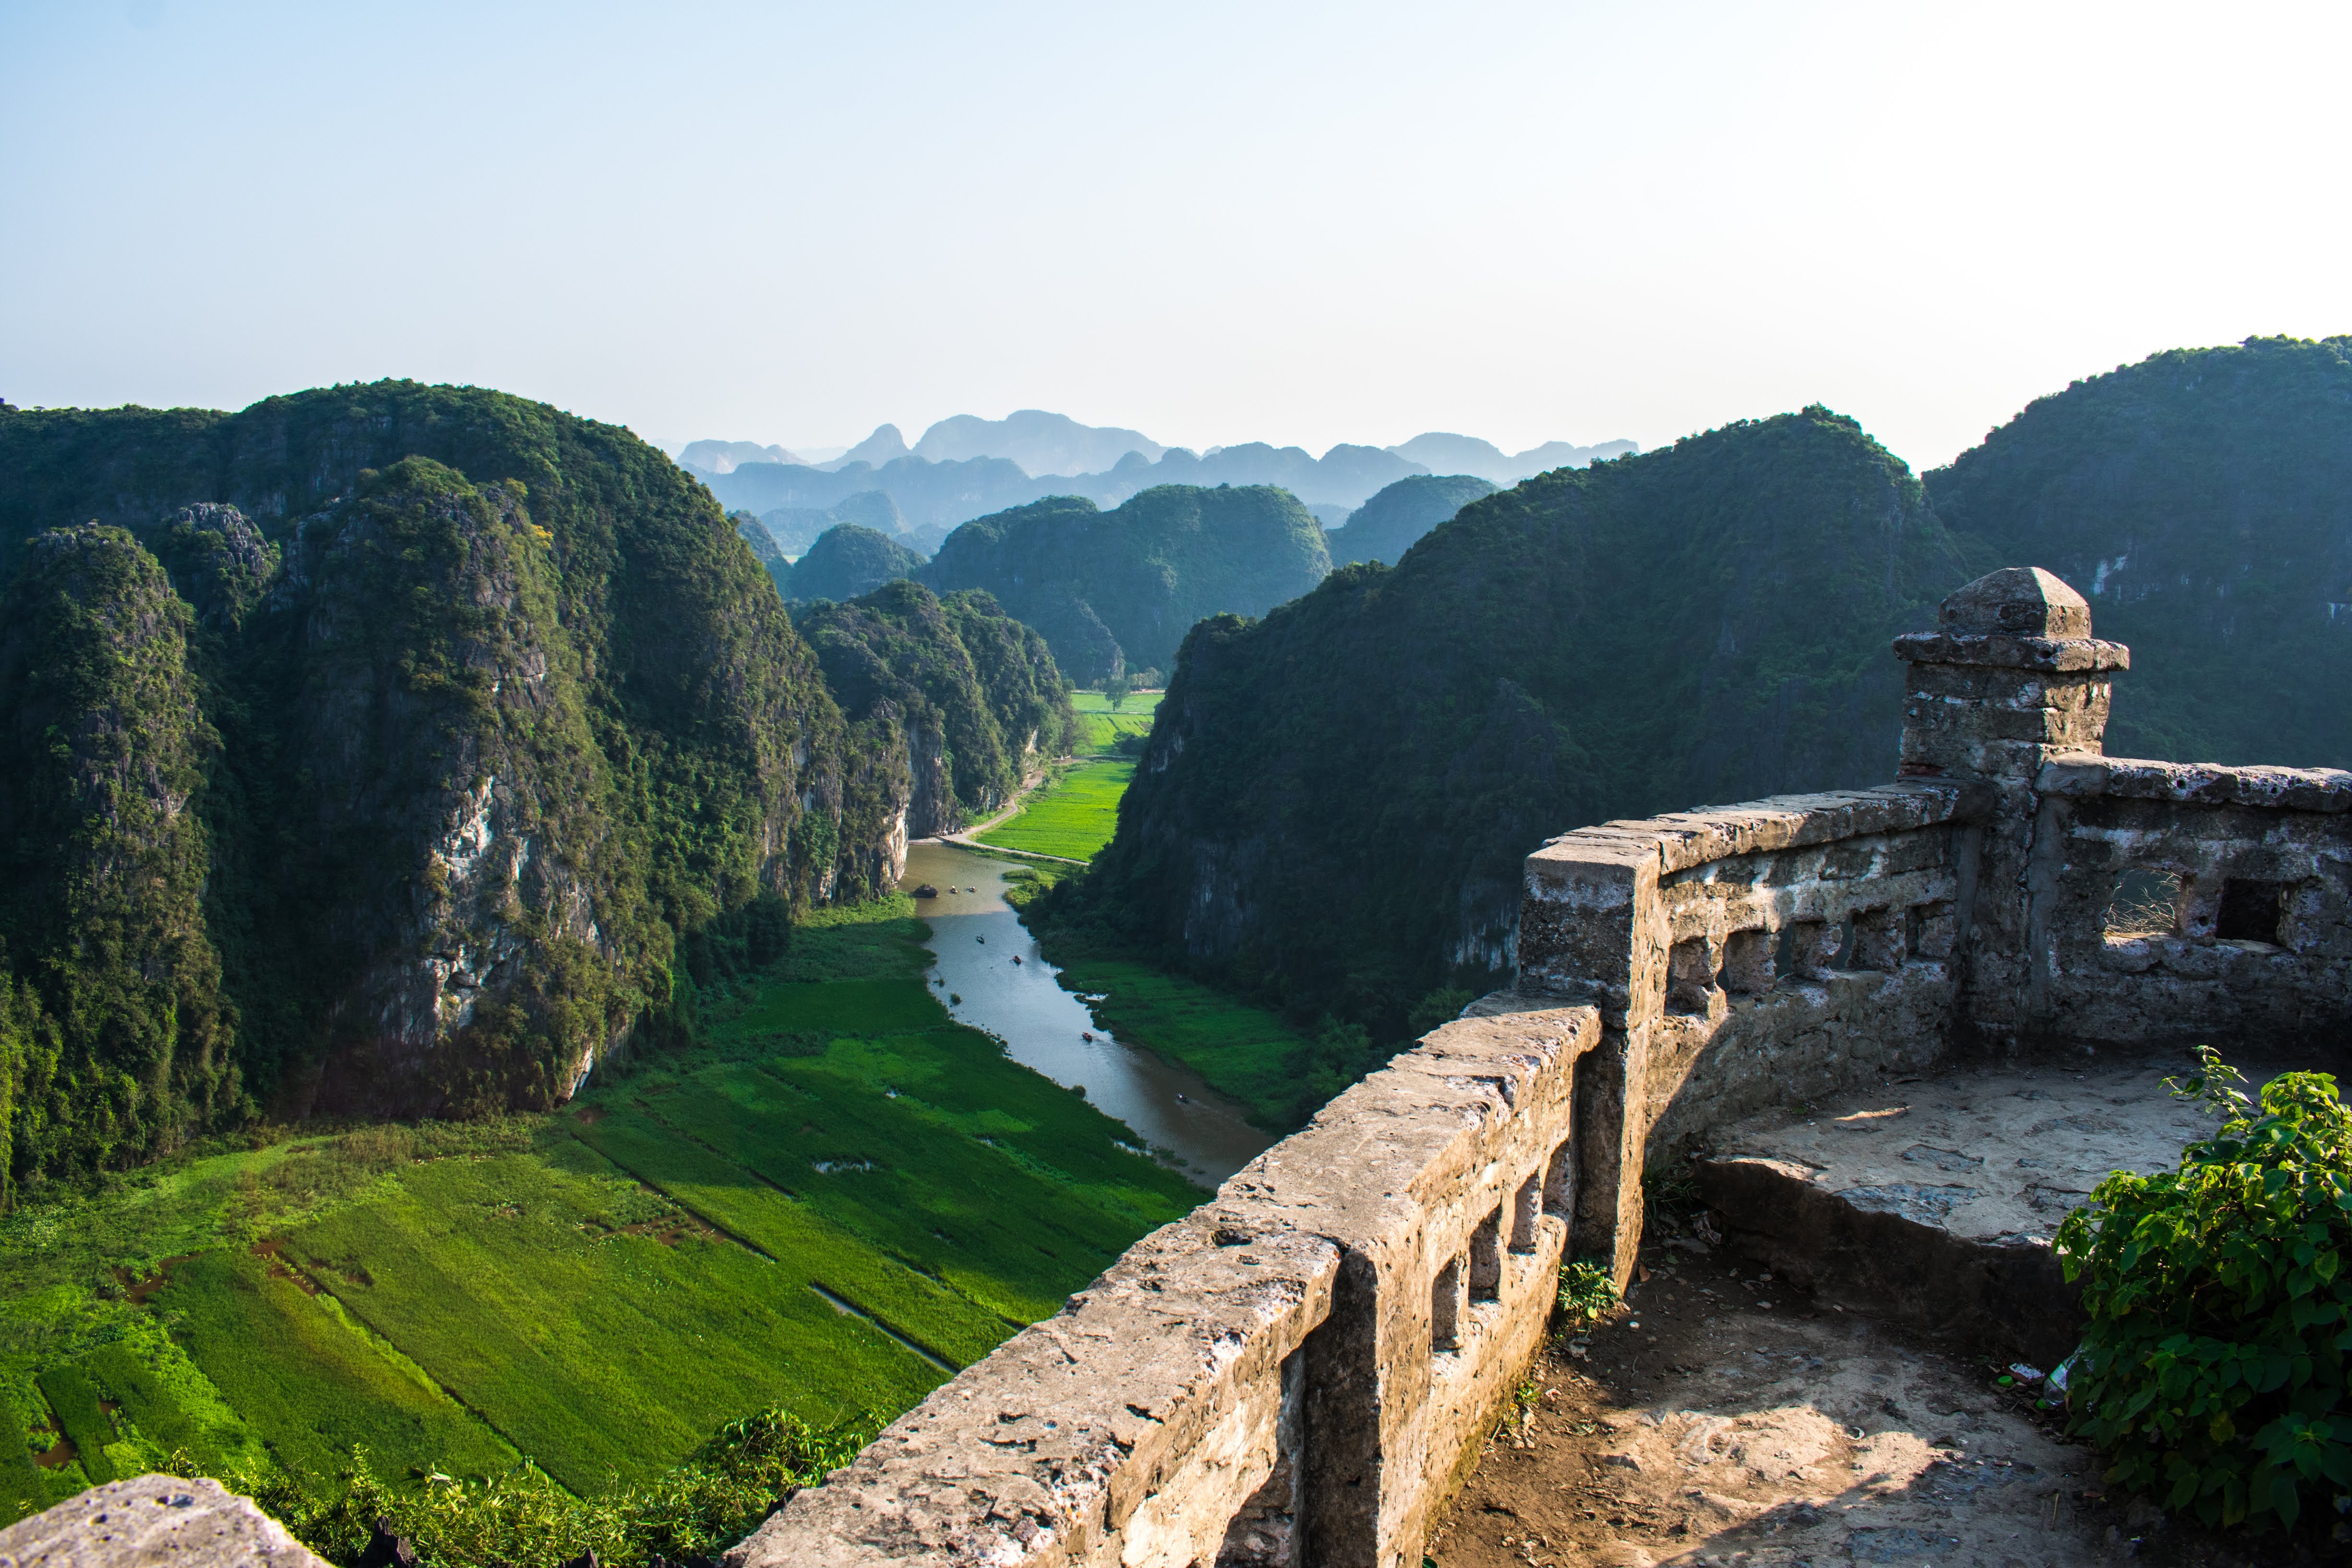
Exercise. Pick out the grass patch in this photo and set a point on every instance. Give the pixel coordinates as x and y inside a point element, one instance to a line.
<point>595,1291</point>
<point>1240,1049</point>
<point>1100,726</point>
<point>73,1397</point>
<point>1073,816</point>
<point>588,1320</point>
<point>308,1381</point>
<point>811,1247</point>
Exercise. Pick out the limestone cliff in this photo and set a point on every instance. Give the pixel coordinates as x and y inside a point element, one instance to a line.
<point>506,716</point>
<point>971,694</point>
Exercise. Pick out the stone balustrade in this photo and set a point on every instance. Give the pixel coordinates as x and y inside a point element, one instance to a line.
<point>1299,1371</point>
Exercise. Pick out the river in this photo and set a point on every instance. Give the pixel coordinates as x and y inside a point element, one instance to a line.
<point>976,940</point>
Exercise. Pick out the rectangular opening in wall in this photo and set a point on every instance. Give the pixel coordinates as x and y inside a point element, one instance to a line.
<point>1559,1180</point>
<point>1878,941</point>
<point>2145,902</point>
<point>1690,977</point>
<point>2250,910</point>
<point>1264,1530</point>
<point>1810,949</point>
<point>1446,1307</point>
<point>1487,1257</point>
<point>1527,1212</point>
<point>1747,961</point>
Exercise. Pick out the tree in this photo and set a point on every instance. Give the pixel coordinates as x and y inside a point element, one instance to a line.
<point>1116,688</point>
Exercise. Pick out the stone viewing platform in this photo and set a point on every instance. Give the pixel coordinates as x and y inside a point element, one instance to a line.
<point>1845,1003</point>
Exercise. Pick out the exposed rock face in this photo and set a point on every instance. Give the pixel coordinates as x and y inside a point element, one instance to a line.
<point>507,713</point>
<point>456,793</point>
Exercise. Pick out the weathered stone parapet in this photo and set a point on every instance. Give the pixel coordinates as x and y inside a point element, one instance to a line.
<point>1741,954</point>
<point>1295,1373</point>
<point>2322,791</point>
<point>2174,902</point>
<point>152,1522</point>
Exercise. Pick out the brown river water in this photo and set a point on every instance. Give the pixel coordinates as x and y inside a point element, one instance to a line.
<point>975,937</point>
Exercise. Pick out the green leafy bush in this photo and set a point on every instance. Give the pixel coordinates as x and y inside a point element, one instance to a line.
<point>526,1521</point>
<point>2213,1371</point>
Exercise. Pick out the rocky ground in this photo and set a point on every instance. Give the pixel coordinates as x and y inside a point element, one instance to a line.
<point>1719,1418</point>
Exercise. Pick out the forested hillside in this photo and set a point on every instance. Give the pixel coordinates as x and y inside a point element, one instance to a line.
<point>1336,799</point>
<point>845,561</point>
<point>381,748</point>
<point>969,695</point>
<point>1118,590</point>
<point>2202,500</point>
<point>1393,521</point>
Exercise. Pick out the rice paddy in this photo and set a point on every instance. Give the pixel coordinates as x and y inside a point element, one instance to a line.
<point>838,1199</point>
<point>1073,816</point>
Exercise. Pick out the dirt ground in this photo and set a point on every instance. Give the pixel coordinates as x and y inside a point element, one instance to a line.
<point>1719,1418</point>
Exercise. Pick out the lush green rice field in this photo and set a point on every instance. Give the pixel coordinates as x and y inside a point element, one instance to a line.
<point>1073,816</point>
<point>837,1199</point>
<point>1100,726</point>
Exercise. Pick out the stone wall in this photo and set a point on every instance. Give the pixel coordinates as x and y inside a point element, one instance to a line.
<point>1298,1371</point>
<point>1780,950</point>
<point>2247,873</point>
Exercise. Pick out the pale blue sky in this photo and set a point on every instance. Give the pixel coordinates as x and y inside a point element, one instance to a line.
<point>1212,222</point>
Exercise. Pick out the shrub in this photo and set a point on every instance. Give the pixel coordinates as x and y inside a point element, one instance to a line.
<point>525,1521</point>
<point>1586,1290</point>
<point>2212,1370</point>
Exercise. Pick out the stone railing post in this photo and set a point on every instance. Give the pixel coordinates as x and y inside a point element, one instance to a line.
<point>2010,678</point>
<point>1591,932</point>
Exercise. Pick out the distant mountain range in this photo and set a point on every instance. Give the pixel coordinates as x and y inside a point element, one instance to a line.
<point>965,467</point>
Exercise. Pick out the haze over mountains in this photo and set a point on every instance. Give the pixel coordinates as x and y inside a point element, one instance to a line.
<point>965,467</point>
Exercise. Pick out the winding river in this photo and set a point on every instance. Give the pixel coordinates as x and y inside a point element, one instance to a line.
<point>976,940</point>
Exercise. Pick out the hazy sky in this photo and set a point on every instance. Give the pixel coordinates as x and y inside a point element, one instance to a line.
<point>1215,222</point>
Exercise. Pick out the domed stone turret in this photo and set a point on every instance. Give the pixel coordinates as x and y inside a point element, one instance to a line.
<point>2010,677</point>
<point>2018,602</point>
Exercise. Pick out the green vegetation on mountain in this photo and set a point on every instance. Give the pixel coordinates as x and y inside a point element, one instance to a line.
<point>834,1198</point>
<point>1120,588</point>
<point>1334,801</point>
<point>845,562</point>
<point>970,694</point>
<point>385,748</point>
<point>116,1041</point>
<point>1392,521</point>
<point>2202,500</point>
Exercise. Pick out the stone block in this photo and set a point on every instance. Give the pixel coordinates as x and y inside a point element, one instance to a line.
<point>152,1522</point>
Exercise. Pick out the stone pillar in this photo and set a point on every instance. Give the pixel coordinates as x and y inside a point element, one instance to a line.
<point>2010,678</point>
